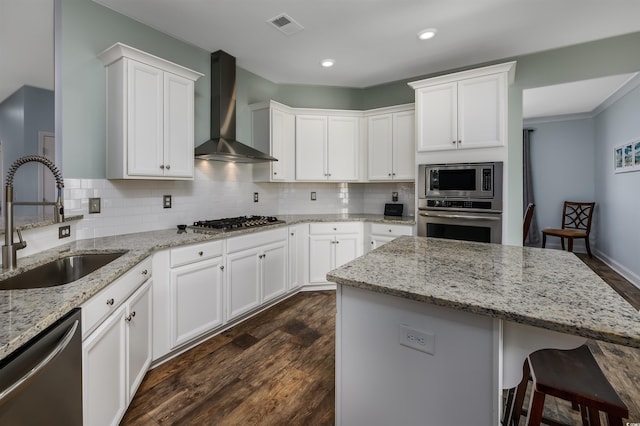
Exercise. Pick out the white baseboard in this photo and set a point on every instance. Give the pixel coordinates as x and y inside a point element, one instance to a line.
<point>620,269</point>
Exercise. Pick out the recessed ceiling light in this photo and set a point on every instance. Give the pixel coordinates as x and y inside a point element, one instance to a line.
<point>327,63</point>
<point>427,34</point>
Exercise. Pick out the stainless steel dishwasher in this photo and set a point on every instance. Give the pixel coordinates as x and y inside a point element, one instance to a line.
<point>41,383</point>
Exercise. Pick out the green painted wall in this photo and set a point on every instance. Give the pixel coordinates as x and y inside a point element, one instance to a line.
<point>88,28</point>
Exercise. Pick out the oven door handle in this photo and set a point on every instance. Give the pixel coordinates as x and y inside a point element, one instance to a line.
<point>459,216</point>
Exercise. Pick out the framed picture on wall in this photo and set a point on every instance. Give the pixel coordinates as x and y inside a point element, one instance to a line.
<point>626,157</point>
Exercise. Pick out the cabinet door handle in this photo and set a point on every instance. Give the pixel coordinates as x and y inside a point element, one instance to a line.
<point>275,173</point>
<point>130,316</point>
<point>292,234</point>
<point>337,242</point>
<point>161,166</point>
<point>454,142</point>
<point>145,272</point>
<point>222,267</point>
<point>168,166</point>
<point>371,242</point>
<point>459,142</point>
<point>110,301</point>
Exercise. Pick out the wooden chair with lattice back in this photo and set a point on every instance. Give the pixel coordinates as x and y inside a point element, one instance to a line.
<point>576,223</point>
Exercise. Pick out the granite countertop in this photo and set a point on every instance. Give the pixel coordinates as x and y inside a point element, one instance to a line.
<point>550,289</point>
<point>25,313</point>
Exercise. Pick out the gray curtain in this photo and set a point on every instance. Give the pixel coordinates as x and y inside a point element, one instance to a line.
<point>533,237</point>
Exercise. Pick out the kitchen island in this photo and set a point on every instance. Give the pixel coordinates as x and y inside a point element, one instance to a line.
<point>473,311</point>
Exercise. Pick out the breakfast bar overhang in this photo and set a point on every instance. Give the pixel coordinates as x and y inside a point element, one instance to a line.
<point>476,310</point>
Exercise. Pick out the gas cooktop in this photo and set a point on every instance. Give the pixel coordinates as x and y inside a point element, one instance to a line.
<point>232,223</point>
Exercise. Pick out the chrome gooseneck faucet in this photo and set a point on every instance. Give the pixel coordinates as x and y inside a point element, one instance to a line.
<point>9,249</point>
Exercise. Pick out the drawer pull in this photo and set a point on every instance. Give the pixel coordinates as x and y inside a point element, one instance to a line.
<point>200,253</point>
<point>222,268</point>
<point>110,302</point>
<point>389,230</point>
<point>145,272</point>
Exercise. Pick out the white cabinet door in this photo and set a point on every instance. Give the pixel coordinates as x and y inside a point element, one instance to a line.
<point>379,240</point>
<point>437,116</point>
<point>138,324</point>
<point>404,146</point>
<point>145,116</point>
<point>178,126</point>
<point>243,277</point>
<point>481,111</point>
<point>343,148</point>
<point>380,146</point>
<point>104,370</point>
<point>298,250</point>
<point>274,270</point>
<point>311,142</point>
<point>282,145</point>
<point>321,257</point>
<point>196,299</point>
<point>346,248</point>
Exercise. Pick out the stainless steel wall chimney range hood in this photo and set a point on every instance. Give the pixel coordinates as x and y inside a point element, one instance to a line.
<point>223,145</point>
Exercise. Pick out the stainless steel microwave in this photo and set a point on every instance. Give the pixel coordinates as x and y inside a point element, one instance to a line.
<point>461,180</point>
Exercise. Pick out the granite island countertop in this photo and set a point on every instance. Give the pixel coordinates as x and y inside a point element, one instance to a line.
<point>25,313</point>
<point>544,288</point>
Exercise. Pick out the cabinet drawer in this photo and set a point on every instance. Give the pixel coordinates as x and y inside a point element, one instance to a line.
<point>335,228</point>
<point>392,230</point>
<point>196,252</point>
<point>256,239</point>
<point>111,297</point>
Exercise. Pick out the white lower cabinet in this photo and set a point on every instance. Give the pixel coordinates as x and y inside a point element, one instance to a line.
<point>196,295</point>
<point>115,358</point>
<point>195,290</point>
<point>257,270</point>
<point>332,245</point>
<point>298,256</point>
<point>380,234</point>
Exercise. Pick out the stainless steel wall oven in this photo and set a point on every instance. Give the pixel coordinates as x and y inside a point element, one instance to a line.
<point>460,201</point>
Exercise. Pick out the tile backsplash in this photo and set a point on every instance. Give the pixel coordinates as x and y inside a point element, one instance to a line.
<point>218,190</point>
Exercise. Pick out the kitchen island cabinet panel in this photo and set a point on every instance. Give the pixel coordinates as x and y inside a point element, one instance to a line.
<point>379,381</point>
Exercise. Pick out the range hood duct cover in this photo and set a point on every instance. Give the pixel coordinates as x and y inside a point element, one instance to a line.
<point>223,145</point>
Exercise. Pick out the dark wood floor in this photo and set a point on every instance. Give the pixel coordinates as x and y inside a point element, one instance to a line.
<point>278,368</point>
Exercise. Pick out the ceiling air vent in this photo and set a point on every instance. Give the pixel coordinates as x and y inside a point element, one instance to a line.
<point>285,24</point>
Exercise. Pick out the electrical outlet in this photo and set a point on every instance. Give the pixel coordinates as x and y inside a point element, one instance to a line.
<point>64,231</point>
<point>416,339</point>
<point>94,205</point>
<point>394,196</point>
<point>313,196</point>
<point>255,197</point>
<point>166,201</point>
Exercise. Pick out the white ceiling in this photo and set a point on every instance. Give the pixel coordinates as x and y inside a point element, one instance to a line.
<point>579,97</point>
<point>374,41</point>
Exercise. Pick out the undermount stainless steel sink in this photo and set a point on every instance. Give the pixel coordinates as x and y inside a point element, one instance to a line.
<point>60,271</point>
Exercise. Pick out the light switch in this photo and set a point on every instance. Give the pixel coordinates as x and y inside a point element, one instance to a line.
<point>166,201</point>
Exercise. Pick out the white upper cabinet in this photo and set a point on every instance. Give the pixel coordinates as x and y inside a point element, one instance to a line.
<point>273,130</point>
<point>391,145</point>
<point>150,116</point>
<point>327,147</point>
<point>463,110</point>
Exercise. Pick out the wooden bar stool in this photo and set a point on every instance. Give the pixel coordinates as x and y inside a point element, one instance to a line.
<point>574,376</point>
